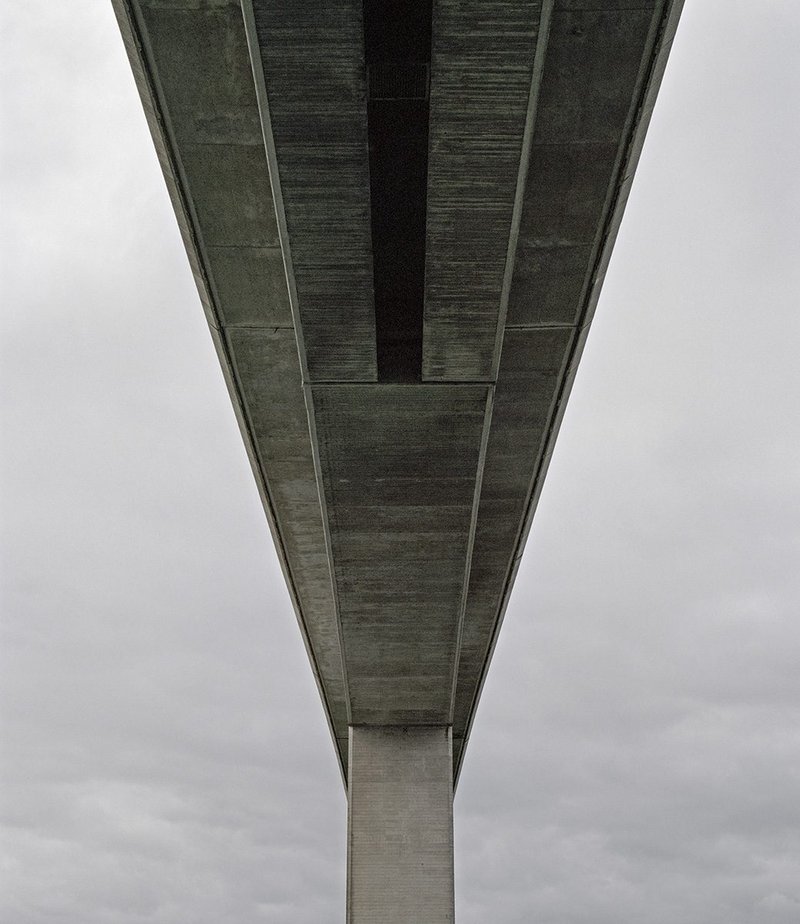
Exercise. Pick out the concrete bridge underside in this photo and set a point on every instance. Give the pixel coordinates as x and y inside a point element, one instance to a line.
<point>399,216</point>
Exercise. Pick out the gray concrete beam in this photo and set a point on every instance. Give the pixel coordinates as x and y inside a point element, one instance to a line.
<point>312,61</point>
<point>484,62</point>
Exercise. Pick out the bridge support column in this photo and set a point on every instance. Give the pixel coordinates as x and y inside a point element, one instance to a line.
<point>400,825</point>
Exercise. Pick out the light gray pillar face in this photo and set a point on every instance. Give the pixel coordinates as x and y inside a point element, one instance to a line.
<point>400,826</point>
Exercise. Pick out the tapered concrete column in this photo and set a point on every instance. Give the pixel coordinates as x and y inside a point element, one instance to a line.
<point>400,826</point>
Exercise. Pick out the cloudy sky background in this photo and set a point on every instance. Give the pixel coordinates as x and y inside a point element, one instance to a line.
<point>637,751</point>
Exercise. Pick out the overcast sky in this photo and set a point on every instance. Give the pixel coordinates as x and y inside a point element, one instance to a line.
<point>636,756</point>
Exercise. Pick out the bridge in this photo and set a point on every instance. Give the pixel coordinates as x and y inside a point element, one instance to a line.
<point>399,216</point>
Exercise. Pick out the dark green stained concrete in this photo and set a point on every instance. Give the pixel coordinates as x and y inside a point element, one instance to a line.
<point>232,195</point>
<point>205,106</point>
<point>251,285</point>
<point>593,61</point>
<point>548,282</point>
<point>312,58</point>
<point>399,511</point>
<point>482,66</point>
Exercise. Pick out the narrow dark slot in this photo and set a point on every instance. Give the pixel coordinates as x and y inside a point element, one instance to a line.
<point>397,42</point>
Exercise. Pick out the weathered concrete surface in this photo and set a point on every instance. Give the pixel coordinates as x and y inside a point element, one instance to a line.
<point>399,510</point>
<point>400,826</point>
<point>312,59</point>
<point>484,60</point>
<point>398,465</point>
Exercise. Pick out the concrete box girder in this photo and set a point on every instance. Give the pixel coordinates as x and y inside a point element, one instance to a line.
<point>399,512</point>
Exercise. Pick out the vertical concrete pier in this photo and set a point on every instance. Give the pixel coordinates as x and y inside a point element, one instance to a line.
<point>400,826</point>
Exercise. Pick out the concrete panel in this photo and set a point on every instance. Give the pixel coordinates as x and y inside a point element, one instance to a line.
<point>204,70</point>
<point>482,64</point>
<point>250,283</point>
<point>231,194</point>
<point>399,464</point>
<point>312,57</point>
<point>547,284</point>
<point>400,826</point>
<point>565,193</point>
<point>593,61</point>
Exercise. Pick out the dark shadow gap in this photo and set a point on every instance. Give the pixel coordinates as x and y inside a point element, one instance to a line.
<point>397,43</point>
